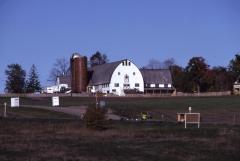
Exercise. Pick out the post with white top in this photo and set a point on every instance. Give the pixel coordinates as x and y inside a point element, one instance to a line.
<point>185,120</point>
<point>5,110</point>
<point>190,109</point>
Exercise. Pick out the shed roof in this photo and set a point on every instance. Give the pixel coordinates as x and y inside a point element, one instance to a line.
<point>156,76</point>
<point>66,79</point>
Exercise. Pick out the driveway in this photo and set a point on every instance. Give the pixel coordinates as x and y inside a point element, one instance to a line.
<point>74,110</point>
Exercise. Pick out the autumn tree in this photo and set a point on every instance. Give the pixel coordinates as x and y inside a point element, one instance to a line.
<point>222,79</point>
<point>98,59</point>
<point>33,83</point>
<point>15,82</point>
<point>178,77</point>
<point>234,66</point>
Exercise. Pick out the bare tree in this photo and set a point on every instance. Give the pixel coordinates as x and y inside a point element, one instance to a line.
<point>168,63</point>
<point>154,64</point>
<point>60,68</point>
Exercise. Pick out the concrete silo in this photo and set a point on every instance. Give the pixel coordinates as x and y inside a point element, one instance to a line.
<point>79,74</point>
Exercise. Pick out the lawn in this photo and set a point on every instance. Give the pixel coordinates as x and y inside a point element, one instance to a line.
<point>39,135</point>
<point>213,109</point>
<point>68,140</point>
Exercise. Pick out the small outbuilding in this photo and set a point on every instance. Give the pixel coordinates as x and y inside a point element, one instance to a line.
<point>236,86</point>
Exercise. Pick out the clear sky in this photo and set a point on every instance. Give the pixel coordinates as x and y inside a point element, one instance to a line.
<point>40,31</point>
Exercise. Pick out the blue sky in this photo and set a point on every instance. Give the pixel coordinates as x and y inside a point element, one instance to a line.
<point>40,31</point>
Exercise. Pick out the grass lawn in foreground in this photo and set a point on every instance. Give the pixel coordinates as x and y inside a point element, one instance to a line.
<point>25,112</point>
<point>68,140</point>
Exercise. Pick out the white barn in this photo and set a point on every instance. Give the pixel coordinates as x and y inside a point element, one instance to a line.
<point>115,78</point>
<point>124,76</point>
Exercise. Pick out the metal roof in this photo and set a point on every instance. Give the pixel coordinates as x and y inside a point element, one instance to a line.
<point>156,76</point>
<point>101,74</point>
<point>66,79</point>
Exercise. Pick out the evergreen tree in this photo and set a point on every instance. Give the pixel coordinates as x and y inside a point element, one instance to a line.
<point>234,66</point>
<point>15,82</point>
<point>33,83</point>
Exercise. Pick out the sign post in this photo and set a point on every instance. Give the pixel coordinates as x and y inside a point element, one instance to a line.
<point>5,110</point>
<point>190,109</point>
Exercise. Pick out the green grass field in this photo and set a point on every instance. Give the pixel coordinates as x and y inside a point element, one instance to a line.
<point>39,135</point>
<point>213,109</point>
<point>69,140</point>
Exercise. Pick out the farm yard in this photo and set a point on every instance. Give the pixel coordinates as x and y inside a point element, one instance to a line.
<point>38,134</point>
<point>224,109</point>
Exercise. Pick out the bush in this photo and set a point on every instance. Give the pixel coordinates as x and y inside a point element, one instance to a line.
<point>95,118</point>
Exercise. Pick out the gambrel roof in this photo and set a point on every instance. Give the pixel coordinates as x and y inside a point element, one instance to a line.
<point>101,74</point>
<point>156,76</point>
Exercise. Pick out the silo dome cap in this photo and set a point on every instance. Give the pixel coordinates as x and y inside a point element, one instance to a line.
<point>76,55</point>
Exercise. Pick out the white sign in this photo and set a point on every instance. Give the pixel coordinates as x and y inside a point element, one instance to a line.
<point>15,102</point>
<point>192,118</point>
<point>102,104</point>
<point>55,101</point>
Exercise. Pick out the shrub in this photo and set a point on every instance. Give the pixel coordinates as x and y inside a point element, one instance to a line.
<point>95,118</point>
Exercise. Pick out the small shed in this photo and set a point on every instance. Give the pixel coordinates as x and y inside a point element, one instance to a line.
<point>180,117</point>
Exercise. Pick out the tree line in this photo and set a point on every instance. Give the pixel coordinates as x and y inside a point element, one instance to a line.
<point>197,76</point>
<point>17,82</point>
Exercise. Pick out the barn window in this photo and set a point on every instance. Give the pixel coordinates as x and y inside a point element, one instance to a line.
<point>134,73</point>
<point>152,85</point>
<point>129,63</point>
<point>126,79</point>
<point>113,90</point>
<point>126,85</point>
<point>119,73</point>
<point>136,84</point>
<point>116,85</point>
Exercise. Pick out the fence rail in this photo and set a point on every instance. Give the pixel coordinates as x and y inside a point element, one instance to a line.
<point>178,94</point>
